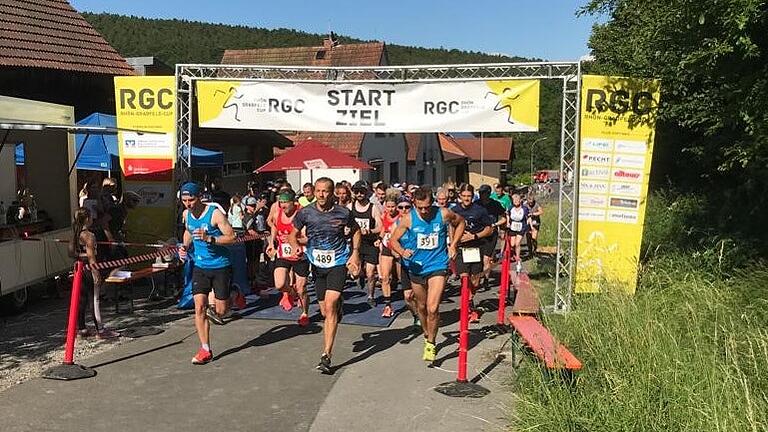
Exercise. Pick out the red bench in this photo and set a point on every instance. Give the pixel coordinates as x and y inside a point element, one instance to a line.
<point>526,299</point>
<point>544,346</point>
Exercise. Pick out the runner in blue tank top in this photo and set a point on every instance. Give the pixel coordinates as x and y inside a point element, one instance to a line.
<point>208,229</point>
<point>329,253</point>
<point>421,239</point>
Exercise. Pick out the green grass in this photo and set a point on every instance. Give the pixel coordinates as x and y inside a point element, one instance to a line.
<point>688,352</point>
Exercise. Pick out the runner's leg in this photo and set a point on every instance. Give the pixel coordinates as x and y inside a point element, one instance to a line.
<point>385,264</point>
<point>436,285</point>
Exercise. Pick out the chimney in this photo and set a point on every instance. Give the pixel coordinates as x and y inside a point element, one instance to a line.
<point>331,41</point>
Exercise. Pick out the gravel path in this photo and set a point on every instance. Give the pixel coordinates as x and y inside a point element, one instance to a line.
<point>34,341</point>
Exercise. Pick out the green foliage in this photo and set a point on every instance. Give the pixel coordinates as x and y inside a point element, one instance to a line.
<point>687,353</point>
<point>711,57</point>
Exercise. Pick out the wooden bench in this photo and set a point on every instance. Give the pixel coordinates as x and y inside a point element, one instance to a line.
<point>553,354</point>
<point>526,299</point>
<point>136,275</point>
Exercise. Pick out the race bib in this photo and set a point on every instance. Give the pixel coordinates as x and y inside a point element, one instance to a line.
<point>363,223</point>
<point>516,226</point>
<point>324,258</point>
<point>470,255</point>
<point>385,240</point>
<point>426,241</point>
<point>286,250</point>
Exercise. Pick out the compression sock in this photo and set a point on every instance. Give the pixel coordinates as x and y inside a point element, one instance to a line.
<point>207,347</point>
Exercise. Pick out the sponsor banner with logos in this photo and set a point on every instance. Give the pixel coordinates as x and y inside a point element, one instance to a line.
<point>618,117</point>
<point>147,159</point>
<point>479,106</point>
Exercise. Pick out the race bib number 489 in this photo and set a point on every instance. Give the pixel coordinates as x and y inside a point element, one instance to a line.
<point>324,258</point>
<point>426,241</point>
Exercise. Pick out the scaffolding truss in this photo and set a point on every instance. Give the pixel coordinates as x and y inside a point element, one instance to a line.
<point>568,72</point>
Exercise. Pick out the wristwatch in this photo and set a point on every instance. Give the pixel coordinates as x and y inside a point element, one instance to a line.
<point>475,236</point>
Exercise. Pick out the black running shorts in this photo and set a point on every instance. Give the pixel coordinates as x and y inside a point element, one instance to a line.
<point>205,280</point>
<point>333,279</point>
<point>369,253</point>
<point>300,267</point>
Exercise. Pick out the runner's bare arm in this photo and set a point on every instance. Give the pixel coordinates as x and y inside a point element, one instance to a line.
<point>220,221</point>
<point>293,239</point>
<point>353,265</point>
<point>272,217</point>
<point>376,220</point>
<point>90,251</point>
<point>394,241</point>
<point>458,224</point>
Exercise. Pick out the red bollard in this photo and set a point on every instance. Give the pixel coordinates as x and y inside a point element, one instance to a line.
<point>463,329</point>
<point>462,387</point>
<point>74,304</point>
<point>504,283</point>
<point>68,370</point>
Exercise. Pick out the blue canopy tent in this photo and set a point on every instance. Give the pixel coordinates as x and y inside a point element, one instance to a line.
<point>101,154</point>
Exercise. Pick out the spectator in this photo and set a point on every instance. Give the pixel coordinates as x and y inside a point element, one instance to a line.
<point>236,213</point>
<point>218,195</point>
<point>502,197</point>
<point>309,195</point>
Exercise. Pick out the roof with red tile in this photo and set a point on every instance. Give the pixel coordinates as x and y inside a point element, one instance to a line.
<point>451,151</point>
<point>346,142</point>
<point>362,54</point>
<point>497,149</point>
<point>51,34</point>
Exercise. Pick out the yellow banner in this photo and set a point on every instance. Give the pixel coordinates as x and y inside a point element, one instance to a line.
<point>148,104</point>
<point>618,119</point>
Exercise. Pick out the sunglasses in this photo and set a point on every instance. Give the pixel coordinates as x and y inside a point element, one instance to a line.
<point>403,207</point>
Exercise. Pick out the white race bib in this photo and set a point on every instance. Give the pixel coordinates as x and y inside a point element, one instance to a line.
<point>286,250</point>
<point>385,240</point>
<point>426,241</point>
<point>363,223</point>
<point>470,255</point>
<point>516,226</point>
<point>324,258</point>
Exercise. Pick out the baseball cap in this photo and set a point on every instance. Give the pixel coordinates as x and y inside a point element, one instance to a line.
<point>191,189</point>
<point>484,189</point>
<point>250,201</point>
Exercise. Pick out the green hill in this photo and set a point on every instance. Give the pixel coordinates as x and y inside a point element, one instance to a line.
<point>180,41</point>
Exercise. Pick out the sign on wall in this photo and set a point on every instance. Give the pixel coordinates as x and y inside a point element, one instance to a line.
<point>478,106</point>
<point>618,119</point>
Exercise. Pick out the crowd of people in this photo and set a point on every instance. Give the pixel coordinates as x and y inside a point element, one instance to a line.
<point>377,235</point>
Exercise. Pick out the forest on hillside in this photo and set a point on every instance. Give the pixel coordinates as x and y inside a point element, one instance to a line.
<point>179,41</point>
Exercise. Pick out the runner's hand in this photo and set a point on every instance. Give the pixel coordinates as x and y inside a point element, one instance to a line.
<point>452,252</point>
<point>270,251</point>
<point>183,253</point>
<point>407,253</point>
<point>353,265</point>
<point>467,237</point>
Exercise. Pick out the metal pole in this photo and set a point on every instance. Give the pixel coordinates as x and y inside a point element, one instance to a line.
<point>482,170</point>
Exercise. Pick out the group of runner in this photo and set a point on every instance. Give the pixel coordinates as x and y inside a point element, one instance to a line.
<point>332,231</point>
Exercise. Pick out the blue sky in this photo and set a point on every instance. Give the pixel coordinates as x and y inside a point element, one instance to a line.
<point>547,29</point>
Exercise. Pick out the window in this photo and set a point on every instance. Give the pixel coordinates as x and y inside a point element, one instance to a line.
<point>320,55</point>
<point>239,168</point>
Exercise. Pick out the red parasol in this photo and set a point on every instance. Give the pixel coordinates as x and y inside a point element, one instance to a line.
<point>312,154</point>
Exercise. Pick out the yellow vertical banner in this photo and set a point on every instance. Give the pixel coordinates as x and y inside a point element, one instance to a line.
<point>618,120</point>
<point>146,109</point>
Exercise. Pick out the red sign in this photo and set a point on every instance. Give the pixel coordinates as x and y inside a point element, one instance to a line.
<point>159,169</point>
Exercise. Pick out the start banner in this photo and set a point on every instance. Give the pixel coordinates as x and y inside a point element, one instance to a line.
<point>148,103</point>
<point>618,120</point>
<point>460,106</point>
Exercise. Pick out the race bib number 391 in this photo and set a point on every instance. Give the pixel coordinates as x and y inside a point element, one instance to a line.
<point>324,258</point>
<point>426,241</point>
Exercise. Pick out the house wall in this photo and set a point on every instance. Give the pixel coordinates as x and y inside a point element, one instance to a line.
<point>491,173</point>
<point>429,167</point>
<point>390,148</point>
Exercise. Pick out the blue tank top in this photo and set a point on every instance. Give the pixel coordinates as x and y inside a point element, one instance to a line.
<point>207,256</point>
<point>429,243</point>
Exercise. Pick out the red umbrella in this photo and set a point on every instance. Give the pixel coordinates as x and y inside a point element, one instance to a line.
<point>312,154</point>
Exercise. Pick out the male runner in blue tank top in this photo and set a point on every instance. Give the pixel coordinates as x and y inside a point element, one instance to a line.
<point>329,253</point>
<point>208,229</point>
<point>421,239</point>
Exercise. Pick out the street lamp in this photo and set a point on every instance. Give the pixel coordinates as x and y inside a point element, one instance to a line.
<point>533,144</point>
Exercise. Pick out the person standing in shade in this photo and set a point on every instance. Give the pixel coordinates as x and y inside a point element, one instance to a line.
<point>331,257</point>
<point>368,219</point>
<point>421,239</point>
<point>469,261</point>
<point>209,231</point>
<point>309,195</point>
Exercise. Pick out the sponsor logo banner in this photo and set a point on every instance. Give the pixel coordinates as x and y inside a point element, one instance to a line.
<point>617,119</point>
<point>147,159</point>
<point>479,106</point>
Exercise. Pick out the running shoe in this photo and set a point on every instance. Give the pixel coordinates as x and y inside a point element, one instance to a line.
<point>372,301</point>
<point>202,357</point>
<point>286,303</point>
<point>430,351</point>
<point>474,317</point>
<point>325,364</point>
<point>239,302</point>
<point>304,320</point>
<point>106,333</point>
<point>86,333</point>
<point>387,312</point>
<point>213,316</point>
<point>416,322</point>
